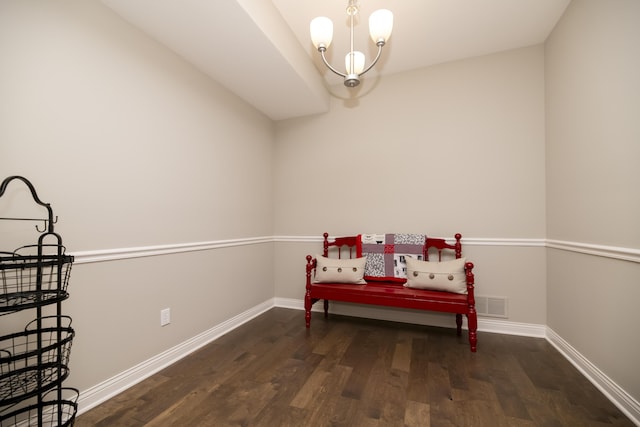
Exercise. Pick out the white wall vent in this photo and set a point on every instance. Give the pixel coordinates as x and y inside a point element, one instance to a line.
<point>492,306</point>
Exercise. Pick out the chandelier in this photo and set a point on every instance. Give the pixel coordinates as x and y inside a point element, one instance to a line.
<point>380,25</point>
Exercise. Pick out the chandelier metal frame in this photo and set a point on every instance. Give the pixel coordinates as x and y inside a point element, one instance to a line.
<point>380,26</point>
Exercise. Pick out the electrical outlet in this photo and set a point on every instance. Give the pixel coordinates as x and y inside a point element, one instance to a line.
<point>165,316</point>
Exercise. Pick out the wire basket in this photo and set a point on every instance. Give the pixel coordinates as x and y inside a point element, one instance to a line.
<point>35,360</point>
<point>57,408</point>
<point>29,279</point>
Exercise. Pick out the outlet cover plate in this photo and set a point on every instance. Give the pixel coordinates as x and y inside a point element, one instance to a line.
<point>165,316</point>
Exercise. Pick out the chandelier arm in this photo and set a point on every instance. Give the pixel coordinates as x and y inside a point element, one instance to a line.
<point>329,65</point>
<point>375,60</point>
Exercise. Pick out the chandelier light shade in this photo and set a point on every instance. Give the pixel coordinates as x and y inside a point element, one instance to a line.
<point>321,32</point>
<point>380,26</point>
<point>354,62</point>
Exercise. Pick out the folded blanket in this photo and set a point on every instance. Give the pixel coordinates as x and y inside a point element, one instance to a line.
<point>386,254</point>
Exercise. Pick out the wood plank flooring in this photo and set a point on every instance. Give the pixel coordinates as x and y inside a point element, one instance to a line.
<point>353,372</point>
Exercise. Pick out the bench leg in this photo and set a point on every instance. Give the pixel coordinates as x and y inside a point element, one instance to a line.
<point>459,324</point>
<point>472,320</point>
<point>326,309</point>
<point>307,310</point>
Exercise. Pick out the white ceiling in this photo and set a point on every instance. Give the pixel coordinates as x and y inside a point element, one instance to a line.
<point>261,50</point>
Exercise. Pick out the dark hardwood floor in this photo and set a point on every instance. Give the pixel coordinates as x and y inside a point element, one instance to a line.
<point>353,372</point>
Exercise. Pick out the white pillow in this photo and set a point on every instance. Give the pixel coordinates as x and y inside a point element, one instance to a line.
<point>337,270</point>
<point>448,276</point>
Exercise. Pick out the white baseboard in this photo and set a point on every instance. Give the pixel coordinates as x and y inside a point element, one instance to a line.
<point>616,394</point>
<point>511,328</point>
<point>418,317</point>
<point>107,389</point>
<point>375,312</point>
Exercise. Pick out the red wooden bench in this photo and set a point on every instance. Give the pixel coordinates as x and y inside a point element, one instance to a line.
<point>392,293</point>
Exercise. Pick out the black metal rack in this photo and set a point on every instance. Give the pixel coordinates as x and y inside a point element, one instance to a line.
<point>34,361</point>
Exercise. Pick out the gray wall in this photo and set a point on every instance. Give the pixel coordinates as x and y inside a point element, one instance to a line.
<point>134,149</point>
<point>457,147</point>
<point>593,148</point>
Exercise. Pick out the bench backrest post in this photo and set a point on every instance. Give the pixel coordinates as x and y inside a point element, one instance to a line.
<point>339,243</point>
<point>440,245</point>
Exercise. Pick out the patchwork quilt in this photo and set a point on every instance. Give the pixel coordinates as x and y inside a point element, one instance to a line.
<point>386,254</point>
